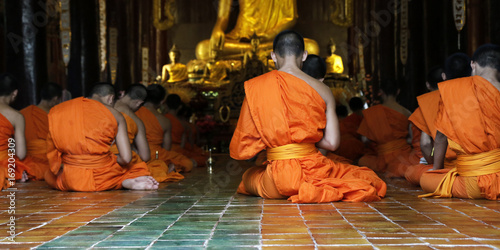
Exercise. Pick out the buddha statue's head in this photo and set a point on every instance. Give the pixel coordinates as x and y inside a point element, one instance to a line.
<point>254,41</point>
<point>332,46</point>
<point>174,54</point>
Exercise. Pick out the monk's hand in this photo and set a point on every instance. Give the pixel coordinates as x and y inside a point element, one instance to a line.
<point>217,40</point>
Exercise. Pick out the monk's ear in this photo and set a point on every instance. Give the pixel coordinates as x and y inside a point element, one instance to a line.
<point>14,94</point>
<point>304,55</point>
<point>443,75</point>
<point>109,99</point>
<point>273,56</point>
<point>473,67</point>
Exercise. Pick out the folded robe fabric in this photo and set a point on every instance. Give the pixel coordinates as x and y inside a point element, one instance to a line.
<point>81,134</point>
<point>389,130</point>
<point>469,116</point>
<point>177,131</point>
<point>36,131</point>
<point>423,119</point>
<point>280,109</point>
<point>154,134</point>
<point>157,169</point>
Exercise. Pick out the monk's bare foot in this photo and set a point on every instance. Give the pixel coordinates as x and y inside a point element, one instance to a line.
<point>24,177</point>
<point>141,183</point>
<point>171,167</point>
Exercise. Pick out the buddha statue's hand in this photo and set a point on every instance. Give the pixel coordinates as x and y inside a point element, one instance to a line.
<point>217,39</point>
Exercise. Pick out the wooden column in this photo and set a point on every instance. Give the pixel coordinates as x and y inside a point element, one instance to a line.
<point>477,13</point>
<point>25,23</point>
<point>83,68</point>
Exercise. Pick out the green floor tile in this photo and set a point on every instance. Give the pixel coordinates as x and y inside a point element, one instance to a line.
<point>129,243</point>
<point>234,242</point>
<point>171,236</point>
<point>173,243</point>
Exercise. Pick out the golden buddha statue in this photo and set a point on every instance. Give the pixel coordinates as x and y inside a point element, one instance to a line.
<point>175,71</point>
<point>215,70</point>
<point>333,62</point>
<point>254,18</point>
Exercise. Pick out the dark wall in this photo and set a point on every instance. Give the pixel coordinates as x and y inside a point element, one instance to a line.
<point>432,38</point>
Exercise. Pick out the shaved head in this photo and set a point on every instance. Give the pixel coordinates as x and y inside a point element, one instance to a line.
<point>50,90</point>
<point>457,65</point>
<point>7,84</point>
<point>102,89</point>
<point>156,94</point>
<point>488,55</point>
<point>288,43</point>
<point>314,66</point>
<point>173,101</point>
<point>137,91</point>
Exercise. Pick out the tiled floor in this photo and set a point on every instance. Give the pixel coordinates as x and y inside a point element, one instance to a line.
<point>203,211</point>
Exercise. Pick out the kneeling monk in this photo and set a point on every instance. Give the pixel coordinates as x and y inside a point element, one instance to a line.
<point>81,132</point>
<point>469,122</point>
<point>290,114</point>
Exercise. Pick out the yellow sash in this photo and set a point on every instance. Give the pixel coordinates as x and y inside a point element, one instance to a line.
<point>291,151</point>
<point>392,146</point>
<point>468,165</point>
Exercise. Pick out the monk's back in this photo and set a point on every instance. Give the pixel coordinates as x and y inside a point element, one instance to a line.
<point>37,123</point>
<point>285,109</point>
<point>74,133</point>
<point>154,131</point>
<point>382,124</point>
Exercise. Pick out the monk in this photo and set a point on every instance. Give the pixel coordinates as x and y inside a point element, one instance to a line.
<point>351,146</point>
<point>315,67</point>
<point>37,129</point>
<point>456,66</point>
<point>132,100</point>
<point>273,117</point>
<point>81,132</point>
<point>468,121</point>
<point>387,126</point>
<point>12,140</point>
<point>181,131</point>
<point>158,130</point>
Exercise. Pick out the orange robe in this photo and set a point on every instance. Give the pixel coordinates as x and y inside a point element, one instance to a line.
<point>274,116</point>
<point>177,132</point>
<point>81,134</point>
<point>157,168</point>
<point>154,134</point>
<point>36,131</point>
<point>7,160</point>
<point>389,130</point>
<point>469,115</point>
<point>423,119</point>
<point>351,146</point>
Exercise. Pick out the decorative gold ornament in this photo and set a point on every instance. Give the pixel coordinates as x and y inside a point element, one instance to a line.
<point>145,66</point>
<point>342,12</point>
<point>459,14</point>
<point>222,118</point>
<point>65,30</point>
<point>169,11</point>
<point>102,34</point>
<point>113,53</point>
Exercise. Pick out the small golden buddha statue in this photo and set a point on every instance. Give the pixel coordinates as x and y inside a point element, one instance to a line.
<point>333,62</point>
<point>254,18</point>
<point>175,71</point>
<point>215,69</point>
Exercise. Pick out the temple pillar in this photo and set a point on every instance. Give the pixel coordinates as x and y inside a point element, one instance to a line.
<point>25,46</point>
